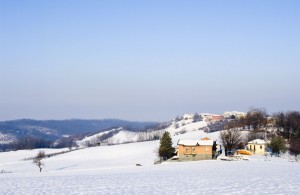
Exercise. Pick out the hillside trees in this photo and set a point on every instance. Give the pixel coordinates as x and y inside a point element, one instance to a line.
<point>166,150</point>
<point>196,117</point>
<point>234,124</point>
<point>150,135</point>
<point>256,118</point>
<point>65,142</point>
<point>294,148</point>
<point>254,135</point>
<point>288,125</point>
<point>31,142</point>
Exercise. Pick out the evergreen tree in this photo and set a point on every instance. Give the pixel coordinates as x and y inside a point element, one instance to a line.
<point>165,149</point>
<point>278,145</point>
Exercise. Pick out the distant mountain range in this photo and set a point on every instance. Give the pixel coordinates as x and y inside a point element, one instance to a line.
<point>55,129</point>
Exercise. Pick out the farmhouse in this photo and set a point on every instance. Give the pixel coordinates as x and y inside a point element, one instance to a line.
<point>195,149</point>
<point>257,146</point>
<point>213,117</point>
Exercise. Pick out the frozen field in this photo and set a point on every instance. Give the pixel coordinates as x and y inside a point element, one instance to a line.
<point>112,170</point>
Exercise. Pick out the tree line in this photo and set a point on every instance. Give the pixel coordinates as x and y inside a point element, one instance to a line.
<point>32,142</point>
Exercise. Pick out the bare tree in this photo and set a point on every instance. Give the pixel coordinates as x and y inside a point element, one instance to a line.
<point>295,146</point>
<point>231,139</point>
<point>289,124</point>
<point>38,160</point>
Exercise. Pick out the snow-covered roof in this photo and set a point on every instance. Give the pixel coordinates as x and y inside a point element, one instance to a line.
<point>195,142</point>
<point>257,141</point>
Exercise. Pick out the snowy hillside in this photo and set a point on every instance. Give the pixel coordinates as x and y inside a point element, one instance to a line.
<point>6,138</point>
<point>185,125</point>
<point>113,170</point>
<point>180,125</point>
<point>93,157</point>
<point>113,136</point>
<point>121,135</point>
<point>11,131</point>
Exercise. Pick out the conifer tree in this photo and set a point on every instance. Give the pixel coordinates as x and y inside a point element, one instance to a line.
<point>277,145</point>
<point>165,149</point>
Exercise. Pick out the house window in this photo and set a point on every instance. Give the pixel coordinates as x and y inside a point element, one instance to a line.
<point>194,150</point>
<point>206,149</point>
<point>187,150</point>
<point>260,146</point>
<point>250,147</point>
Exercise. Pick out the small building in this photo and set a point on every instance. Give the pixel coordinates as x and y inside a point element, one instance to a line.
<point>257,146</point>
<point>189,150</point>
<point>217,117</point>
<point>212,117</point>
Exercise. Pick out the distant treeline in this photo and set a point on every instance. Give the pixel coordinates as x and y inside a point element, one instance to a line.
<point>32,142</point>
<point>69,127</point>
<point>287,124</point>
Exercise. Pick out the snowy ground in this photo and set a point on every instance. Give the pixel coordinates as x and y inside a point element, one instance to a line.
<point>112,170</point>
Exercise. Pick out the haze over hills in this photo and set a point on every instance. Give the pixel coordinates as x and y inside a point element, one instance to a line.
<point>61,133</point>
<point>55,129</point>
<point>180,125</point>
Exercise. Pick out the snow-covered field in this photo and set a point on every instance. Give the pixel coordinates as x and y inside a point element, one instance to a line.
<point>113,170</point>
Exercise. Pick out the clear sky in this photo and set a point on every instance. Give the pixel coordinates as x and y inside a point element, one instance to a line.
<point>147,60</point>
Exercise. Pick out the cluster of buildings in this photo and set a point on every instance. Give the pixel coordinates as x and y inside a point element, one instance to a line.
<point>214,117</point>
<point>206,148</point>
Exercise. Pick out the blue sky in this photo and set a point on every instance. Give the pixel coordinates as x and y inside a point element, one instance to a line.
<point>147,60</point>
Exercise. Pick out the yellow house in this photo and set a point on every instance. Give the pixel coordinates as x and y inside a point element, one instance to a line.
<point>195,149</point>
<point>257,146</point>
